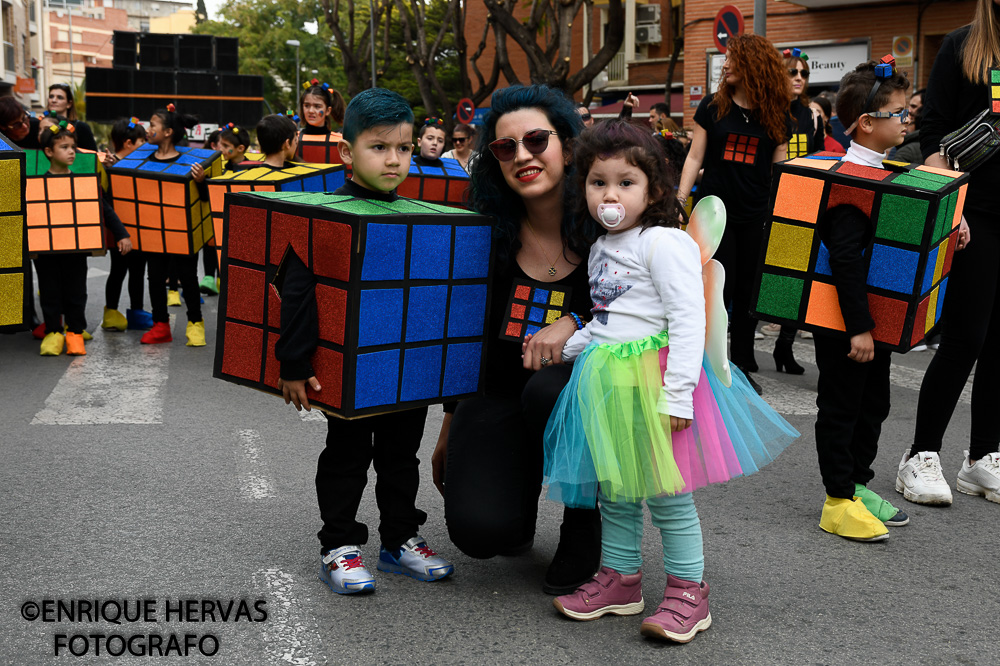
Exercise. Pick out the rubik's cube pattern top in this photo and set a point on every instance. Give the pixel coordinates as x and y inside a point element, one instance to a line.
<point>798,145</point>
<point>320,148</point>
<point>64,212</point>
<point>915,212</point>
<point>532,306</point>
<point>299,178</point>
<point>159,202</point>
<point>741,148</point>
<point>402,291</point>
<point>13,238</point>
<point>441,185</point>
<point>994,88</point>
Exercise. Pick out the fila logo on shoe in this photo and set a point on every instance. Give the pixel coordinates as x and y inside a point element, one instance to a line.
<point>689,596</point>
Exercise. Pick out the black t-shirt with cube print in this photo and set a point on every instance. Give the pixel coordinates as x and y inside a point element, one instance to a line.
<point>737,162</point>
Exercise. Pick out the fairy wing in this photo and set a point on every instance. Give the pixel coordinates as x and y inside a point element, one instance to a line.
<point>706,226</point>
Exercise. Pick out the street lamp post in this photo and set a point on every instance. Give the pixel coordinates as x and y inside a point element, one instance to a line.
<point>295,43</point>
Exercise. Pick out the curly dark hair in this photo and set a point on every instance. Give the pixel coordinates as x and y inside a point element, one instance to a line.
<point>488,191</point>
<point>638,147</point>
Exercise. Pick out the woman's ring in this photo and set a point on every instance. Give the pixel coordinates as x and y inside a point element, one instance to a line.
<point>544,361</point>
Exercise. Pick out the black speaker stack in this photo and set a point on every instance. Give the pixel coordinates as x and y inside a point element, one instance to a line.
<point>198,73</point>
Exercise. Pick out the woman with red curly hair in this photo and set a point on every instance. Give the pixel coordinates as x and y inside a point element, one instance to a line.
<point>739,132</point>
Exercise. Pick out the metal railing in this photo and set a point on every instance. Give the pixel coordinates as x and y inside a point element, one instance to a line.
<point>617,70</point>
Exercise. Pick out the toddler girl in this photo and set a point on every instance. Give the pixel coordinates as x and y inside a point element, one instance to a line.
<point>631,426</point>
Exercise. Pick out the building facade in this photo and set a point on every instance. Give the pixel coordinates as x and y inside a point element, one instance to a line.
<point>20,31</point>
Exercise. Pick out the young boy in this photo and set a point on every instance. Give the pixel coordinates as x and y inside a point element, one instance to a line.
<point>377,144</point>
<point>62,278</point>
<point>279,139</point>
<point>233,144</point>
<point>127,134</point>
<point>853,389</point>
<point>430,143</point>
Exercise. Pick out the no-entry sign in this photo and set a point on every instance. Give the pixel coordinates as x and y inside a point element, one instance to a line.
<point>728,22</point>
<point>466,111</point>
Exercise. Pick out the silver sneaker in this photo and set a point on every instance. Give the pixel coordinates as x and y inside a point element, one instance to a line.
<point>920,480</point>
<point>344,572</point>
<point>416,560</point>
<point>983,478</point>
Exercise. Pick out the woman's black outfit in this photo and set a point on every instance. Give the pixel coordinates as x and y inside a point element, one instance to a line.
<point>970,332</point>
<point>805,136</point>
<point>30,140</point>
<point>495,452</point>
<point>737,163</point>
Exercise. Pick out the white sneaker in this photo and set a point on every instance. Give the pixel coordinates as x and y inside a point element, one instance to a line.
<point>757,335</point>
<point>344,572</point>
<point>919,348</point>
<point>806,335</point>
<point>771,329</point>
<point>983,478</point>
<point>920,480</point>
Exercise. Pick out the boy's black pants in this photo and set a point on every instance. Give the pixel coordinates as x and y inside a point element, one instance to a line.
<point>390,441</point>
<point>853,402</point>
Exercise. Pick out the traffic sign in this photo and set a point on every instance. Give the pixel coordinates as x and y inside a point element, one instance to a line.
<point>466,111</point>
<point>728,22</point>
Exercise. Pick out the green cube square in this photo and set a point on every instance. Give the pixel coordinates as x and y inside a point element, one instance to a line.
<point>995,76</point>
<point>901,219</point>
<point>780,296</point>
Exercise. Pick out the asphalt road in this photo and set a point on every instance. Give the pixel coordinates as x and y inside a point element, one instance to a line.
<point>132,475</point>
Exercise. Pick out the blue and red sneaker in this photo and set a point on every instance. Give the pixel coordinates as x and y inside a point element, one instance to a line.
<point>344,572</point>
<point>416,560</point>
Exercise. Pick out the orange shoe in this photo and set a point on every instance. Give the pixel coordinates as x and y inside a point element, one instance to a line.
<point>74,345</point>
<point>160,333</point>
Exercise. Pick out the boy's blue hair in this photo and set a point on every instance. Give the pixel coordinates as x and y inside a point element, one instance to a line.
<point>489,192</point>
<point>375,107</point>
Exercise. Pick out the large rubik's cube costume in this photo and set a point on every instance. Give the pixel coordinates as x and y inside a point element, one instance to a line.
<point>915,213</point>
<point>13,238</point>
<point>442,185</point>
<point>64,212</point>
<point>159,203</point>
<point>402,294</point>
<point>319,148</point>
<point>298,178</point>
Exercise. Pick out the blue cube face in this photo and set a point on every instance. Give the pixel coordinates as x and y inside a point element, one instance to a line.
<point>291,186</point>
<point>430,252</point>
<point>467,311</point>
<point>928,280</point>
<point>377,379</point>
<point>425,313</point>
<point>461,368</point>
<point>334,180</point>
<point>893,268</point>
<point>380,319</point>
<point>178,169</point>
<point>472,252</point>
<point>385,252</point>
<point>313,184</point>
<point>421,373</point>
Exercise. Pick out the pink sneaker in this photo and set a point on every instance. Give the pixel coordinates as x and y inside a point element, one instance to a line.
<point>608,592</point>
<point>683,613</point>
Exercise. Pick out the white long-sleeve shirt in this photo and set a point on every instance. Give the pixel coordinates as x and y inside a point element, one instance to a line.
<point>644,283</point>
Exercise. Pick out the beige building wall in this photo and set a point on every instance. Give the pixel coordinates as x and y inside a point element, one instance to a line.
<point>180,22</point>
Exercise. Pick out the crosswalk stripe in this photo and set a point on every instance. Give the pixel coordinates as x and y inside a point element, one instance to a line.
<point>291,634</point>
<point>118,381</point>
<point>254,480</point>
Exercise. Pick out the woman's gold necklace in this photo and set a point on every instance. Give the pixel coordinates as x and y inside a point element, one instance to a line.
<point>552,264</point>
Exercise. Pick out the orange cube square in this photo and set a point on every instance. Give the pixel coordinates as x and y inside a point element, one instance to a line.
<point>64,239</point>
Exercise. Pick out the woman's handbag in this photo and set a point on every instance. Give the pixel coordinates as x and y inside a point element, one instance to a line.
<point>973,143</point>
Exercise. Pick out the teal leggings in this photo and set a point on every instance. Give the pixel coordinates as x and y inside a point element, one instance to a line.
<point>680,530</point>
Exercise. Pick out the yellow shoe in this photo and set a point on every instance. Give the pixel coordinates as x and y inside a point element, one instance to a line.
<point>74,345</point>
<point>86,336</point>
<point>52,344</point>
<point>114,320</point>
<point>195,334</point>
<point>173,298</point>
<point>851,520</point>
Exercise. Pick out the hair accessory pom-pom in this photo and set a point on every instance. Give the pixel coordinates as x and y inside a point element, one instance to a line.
<point>787,53</point>
<point>171,108</point>
<point>47,114</point>
<point>62,124</point>
<point>55,128</point>
<point>325,86</point>
<point>132,122</point>
<point>315,82</point>
<point>70,128</point>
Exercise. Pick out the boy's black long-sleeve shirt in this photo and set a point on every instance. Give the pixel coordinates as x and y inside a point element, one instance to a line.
<point>846,233</point>
<point>299,316</point>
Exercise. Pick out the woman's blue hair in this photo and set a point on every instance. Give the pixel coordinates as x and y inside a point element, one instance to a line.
<point>489,192</point>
